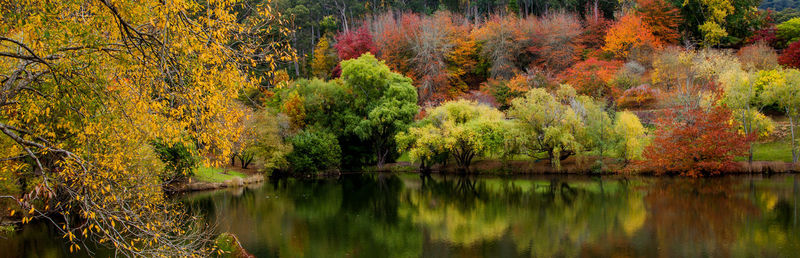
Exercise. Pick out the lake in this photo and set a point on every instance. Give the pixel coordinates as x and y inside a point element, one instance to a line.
<point>406,215</point>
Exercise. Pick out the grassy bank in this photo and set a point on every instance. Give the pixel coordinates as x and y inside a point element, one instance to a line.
<point>216,175</point>
<point>771,151</point>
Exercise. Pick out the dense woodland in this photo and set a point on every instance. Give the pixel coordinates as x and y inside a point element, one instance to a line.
<point>508,81</point>
<point>107,104</point>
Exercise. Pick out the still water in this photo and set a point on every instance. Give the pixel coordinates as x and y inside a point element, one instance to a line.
<point>405,215</point>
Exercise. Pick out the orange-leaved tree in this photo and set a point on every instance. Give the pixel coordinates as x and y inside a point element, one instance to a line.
<point>629,33</point>
<point>663,19</point>
<point>591,77</point>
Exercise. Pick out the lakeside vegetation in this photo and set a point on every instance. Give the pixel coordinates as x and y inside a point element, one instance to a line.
<point>105,104</point>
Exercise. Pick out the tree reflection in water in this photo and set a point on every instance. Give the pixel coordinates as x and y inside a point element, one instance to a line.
<point>409,215</point>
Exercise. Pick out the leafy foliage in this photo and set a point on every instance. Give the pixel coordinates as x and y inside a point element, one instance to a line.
<point>639,96</point>
<point>270,131</point>
<point>592,77</point>
<point>386,99</point>
<point>629,33</point>
<point>662,18</point>
<point>463,129</point>
<point>791,56</point>
<point>547,125</point>
<point>314,152</point>
<point>88,83</point>
<point>697,141</point>
<point>354,43</point>
<point>179,158</point>
<point>324,60</point>
<point>758,56</point>
<point>784,91</point>
<point>631,135</point>
<point>789,31</point>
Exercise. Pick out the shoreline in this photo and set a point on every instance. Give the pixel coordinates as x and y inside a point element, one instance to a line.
<point>205,186</point>
<point>583,167</point>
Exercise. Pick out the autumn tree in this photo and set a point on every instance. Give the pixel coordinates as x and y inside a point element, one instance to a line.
<point>552,40</point>
<point>424,144</point>
<point>87,85</point>
<point>758,56</point>
<point>785,92</point>
<point>598,125</point>
<point>791,56</point>
<point>719,22</point>
<point>270,144</point>
<point>630,135</point>
<point>662,18</point>
<point>418,47</point>
<point>496,37</point>
<point>324,60</point>
<point>592,76</point>
<point>629,33</point>
<point>742,95</point>
<point>695,141</point>
<point>353,43</point>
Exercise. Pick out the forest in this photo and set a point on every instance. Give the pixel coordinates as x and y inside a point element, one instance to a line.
<point>604,82</point>
<point>107,107</point>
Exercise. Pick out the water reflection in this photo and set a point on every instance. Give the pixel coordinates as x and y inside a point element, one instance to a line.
<point>407,215</point>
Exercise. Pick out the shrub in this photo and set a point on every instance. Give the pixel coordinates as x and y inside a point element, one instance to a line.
<point>639,96</point>
<point>758,56</point>
<point>180,160</point>
<point>314,152</point>
<point>629,76</point>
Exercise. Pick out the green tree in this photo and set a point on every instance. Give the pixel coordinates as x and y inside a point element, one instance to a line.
<point>424,144</point>
<point>463,129</point>
<point>547,124</point>
<point>386,102</point>
<point>789,31</point>
<point>598,134</point>
<point>314,152</point>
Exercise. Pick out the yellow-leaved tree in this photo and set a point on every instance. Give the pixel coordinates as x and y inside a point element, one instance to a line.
<point>87,85</point>
<point>324,59</point>
<point>631,135</point>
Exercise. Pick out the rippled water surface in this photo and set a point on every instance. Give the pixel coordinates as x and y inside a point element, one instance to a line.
<point>405,215</point>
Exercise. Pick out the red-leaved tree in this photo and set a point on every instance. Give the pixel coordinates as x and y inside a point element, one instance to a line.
<point>791,55</point>
<point>354,43</point>
<point>697,141</point>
